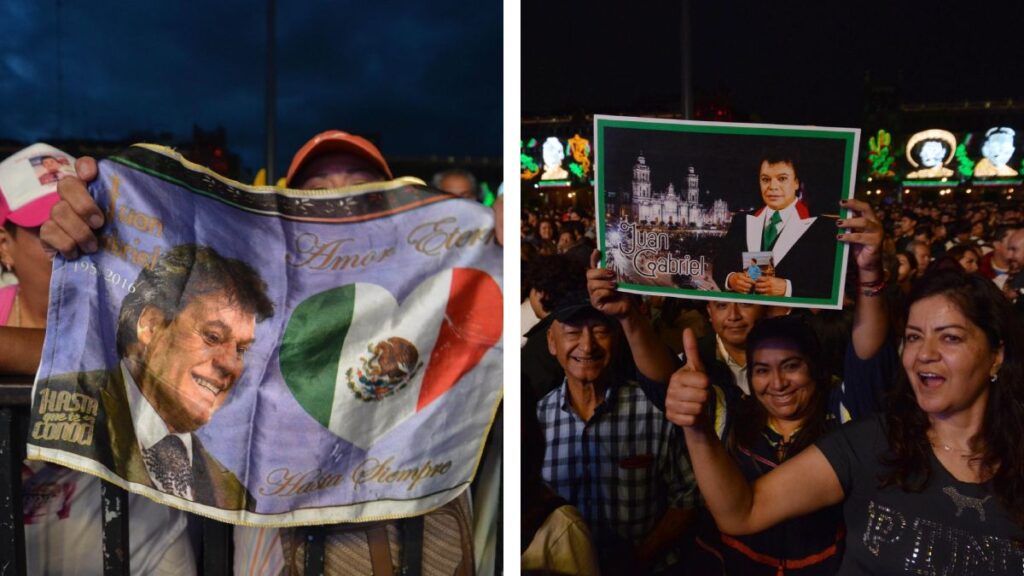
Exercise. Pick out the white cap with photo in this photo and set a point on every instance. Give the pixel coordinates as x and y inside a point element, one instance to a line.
<point>28,183</point>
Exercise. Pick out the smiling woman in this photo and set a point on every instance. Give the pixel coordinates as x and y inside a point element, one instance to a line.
<point>786,412</point>
<point>961,391</point>
<point>934,486</point>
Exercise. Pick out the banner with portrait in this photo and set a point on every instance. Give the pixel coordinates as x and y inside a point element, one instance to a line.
<point>273,357</point>
<point>716,211</point>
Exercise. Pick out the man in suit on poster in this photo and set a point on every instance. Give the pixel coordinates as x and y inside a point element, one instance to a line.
<point>802,247</point>
<point>182,335</point>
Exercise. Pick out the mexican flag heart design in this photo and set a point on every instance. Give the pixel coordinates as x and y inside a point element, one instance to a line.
<point>361,364</point>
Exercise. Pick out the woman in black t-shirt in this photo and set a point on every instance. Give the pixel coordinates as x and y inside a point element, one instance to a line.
<point>934,486</point>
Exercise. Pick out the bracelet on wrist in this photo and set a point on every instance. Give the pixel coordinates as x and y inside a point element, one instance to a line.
<point>872,289</point>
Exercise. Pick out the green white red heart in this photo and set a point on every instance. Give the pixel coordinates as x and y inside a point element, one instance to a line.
<point>361,364</point>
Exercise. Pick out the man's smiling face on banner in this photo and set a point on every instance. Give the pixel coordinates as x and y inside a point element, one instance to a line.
<point>191,362</point>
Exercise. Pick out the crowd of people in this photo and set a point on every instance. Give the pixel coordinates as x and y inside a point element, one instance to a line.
<point>879,438</point>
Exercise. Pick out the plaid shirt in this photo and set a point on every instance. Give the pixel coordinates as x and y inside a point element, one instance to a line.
<point>622,469</point>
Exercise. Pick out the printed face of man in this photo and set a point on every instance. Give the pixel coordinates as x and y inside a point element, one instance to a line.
<point>190,364</point>
<point>779,184</point>
<point>51,164</point>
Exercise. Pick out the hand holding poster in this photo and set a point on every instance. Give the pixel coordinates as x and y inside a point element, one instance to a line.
<point>273,357</point>
<point>738,212</point>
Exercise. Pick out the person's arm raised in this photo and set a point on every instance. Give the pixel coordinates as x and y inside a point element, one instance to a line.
<point>73,219</point>
<point>870,317</point>
<point>801,485</point>
<point>652,357</point>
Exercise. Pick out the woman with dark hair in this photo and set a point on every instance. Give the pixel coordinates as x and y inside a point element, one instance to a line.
<point>968,256</point>
<point>906,271</point>
<point>787,411</point>
<point>546,238</point>
<point>936,485</point>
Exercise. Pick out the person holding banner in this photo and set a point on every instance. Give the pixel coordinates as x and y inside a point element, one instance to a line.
<point>802,247</point>
<point>61,507</point>
<point>330,160</point>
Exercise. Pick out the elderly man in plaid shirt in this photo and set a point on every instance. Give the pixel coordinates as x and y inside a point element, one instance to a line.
<point>610,452</point>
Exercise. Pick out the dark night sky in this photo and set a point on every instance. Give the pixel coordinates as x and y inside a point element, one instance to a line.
<point>423,78</point>
<point>793,62</point>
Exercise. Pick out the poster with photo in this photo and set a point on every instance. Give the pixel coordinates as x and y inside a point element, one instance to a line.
<point>716,211</point>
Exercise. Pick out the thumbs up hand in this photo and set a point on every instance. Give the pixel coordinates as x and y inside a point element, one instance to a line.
<point>688,392</point>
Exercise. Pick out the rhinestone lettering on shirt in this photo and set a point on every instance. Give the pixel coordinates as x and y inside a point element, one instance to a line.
<point>938,548</point>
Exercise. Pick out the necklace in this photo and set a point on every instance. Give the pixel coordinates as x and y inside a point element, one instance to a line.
<point>964,453</point>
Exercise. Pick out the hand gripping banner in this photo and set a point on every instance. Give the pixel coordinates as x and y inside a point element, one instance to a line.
<point>273,357</point>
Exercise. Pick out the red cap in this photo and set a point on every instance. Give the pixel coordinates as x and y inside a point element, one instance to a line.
<point>336,140</point>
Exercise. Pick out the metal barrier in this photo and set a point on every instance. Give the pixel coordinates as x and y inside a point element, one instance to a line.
<point>215,554</point>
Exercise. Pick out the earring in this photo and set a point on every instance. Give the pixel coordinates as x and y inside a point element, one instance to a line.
<point>993,378</point>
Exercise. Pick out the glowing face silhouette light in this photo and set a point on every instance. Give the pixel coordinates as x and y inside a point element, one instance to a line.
<point>932,154</point>
<point>997,150</point>
<point>929,152</point>
<point>554,153</point>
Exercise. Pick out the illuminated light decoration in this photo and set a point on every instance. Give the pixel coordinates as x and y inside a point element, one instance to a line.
<point>964,164</point>
<point>880,156</point>
<point>577,169</point>
<point>579,148</point>
<point>528,168</point>
<point>997,150</point>
<point>553,184</point>
<point>929,151</point>
<point>488,196</point>
<point>553,153</point>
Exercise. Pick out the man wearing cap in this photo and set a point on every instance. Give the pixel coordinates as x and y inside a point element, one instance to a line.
<point>610,452</point>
